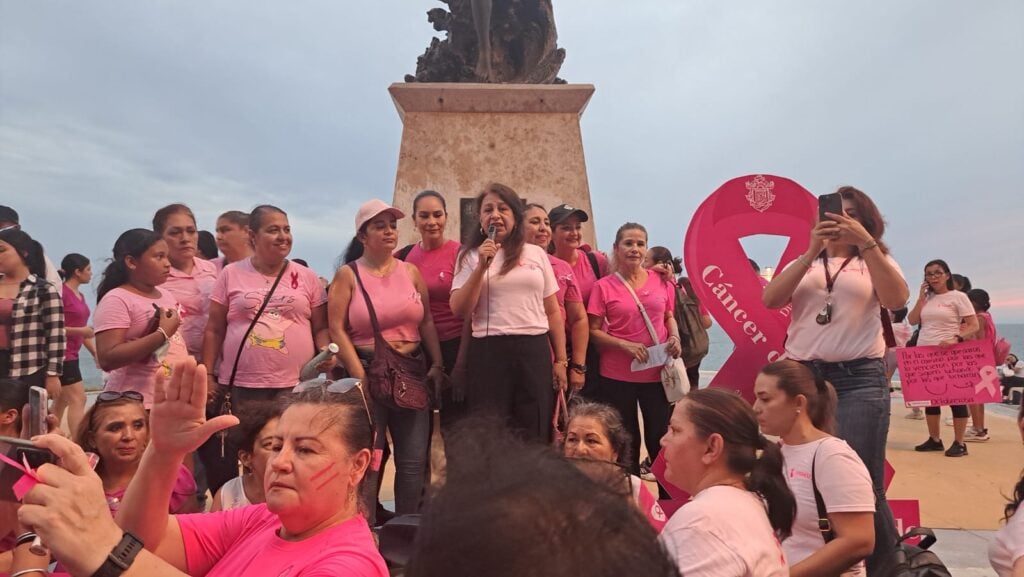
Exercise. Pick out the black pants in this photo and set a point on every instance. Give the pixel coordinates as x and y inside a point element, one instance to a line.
<point>657,411</point>
<point>220,470</point>
<point>450,411</point>
<point>959,411</point>
<point>693,375</point>
<point>510,375</point>
<point>1011,382</point>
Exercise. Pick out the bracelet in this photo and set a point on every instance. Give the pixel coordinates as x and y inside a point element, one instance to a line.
<point>802,260</point>
<point>27,571</point>
<point>27,537</point>
<point>564,363</point>
<point>164,333</point>
<point>437,366</point>
<point>870,245</point>
<point>676,337</point>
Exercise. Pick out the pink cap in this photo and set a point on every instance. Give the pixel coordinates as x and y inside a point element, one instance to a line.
<point>371,209</point>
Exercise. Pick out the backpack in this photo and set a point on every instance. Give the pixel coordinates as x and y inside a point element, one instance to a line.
<point>1000,346</point>
<point>691,328</point>
<point>913,560</point>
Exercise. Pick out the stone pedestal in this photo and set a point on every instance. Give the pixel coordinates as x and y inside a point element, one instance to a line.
<point>458,137</point>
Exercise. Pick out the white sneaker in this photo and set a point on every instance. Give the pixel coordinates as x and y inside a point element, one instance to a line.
<point>973,435</point>
<point>916,413</point>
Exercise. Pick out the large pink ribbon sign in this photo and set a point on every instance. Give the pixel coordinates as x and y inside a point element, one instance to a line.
<point>723,278</point>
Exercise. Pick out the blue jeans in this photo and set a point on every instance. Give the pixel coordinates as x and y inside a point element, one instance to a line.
<point>410,435</point>
<point>862,420</point>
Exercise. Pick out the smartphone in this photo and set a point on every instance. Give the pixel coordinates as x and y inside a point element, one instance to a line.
<point>38,401</point>
<point>19,451</point>
<point>829,203</point>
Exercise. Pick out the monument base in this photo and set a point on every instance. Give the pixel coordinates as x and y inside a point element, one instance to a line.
<point>456,138</point>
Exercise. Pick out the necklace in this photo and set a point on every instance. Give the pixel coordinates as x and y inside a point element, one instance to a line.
<point>267,278</point>
<point>381,271</point>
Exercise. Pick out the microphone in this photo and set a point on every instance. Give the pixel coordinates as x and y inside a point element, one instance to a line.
<point>491,231</point>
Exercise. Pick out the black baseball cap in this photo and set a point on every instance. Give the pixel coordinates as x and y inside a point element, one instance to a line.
<point>563,211</point>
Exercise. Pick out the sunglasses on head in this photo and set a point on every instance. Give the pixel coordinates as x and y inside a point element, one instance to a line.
<point>108,396</point>
<point>340,387</point>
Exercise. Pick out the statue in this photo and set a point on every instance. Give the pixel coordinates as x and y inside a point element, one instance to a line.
<point>495,41</point>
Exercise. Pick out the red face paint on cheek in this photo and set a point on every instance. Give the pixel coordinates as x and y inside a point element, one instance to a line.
<point>328,481</point>
<point>321,472</point>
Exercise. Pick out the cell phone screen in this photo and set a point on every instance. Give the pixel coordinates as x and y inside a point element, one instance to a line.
<point>38,400</point>
<point>829,203</point>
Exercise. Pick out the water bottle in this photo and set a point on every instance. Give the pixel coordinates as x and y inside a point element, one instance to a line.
<point>309,370</point>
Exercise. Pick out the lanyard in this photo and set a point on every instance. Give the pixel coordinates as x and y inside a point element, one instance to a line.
<point>830,281</point>
<point>825,316</point>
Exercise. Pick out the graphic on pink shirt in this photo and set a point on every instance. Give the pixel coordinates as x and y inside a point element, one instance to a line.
<point>270,330</point>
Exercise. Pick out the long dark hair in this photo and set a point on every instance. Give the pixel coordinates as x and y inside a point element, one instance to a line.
<point>132,243</point>
<point>425,193</point>
<point>793,378</point>
<point>867,214</point>
<point>72,263</point>
<point>726,413</point>
<point>1018,489</point>
<point>13,395</point>
<point>945,268</point>
<point>30,251</point>
<point>512,246</point>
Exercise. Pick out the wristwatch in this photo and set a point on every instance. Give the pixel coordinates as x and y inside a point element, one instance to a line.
<point>579,368</point>
<point>120,557</point>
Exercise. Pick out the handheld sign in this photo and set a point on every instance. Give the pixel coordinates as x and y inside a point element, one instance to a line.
<point>959,375</point>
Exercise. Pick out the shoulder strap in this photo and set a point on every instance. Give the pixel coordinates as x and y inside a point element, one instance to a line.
<point>404,252</point>
<point>366,298</point>
<point>594,264</point>
<point>643,311</point>
<point>255,318</point>
<point>824,525</point>
<point>890,337</point>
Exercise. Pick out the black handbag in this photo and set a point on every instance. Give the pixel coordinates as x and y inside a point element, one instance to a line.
<point>905,560</point>
<point>395,379</point>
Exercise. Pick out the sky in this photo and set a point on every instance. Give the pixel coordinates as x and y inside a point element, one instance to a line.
<point>109,110</point>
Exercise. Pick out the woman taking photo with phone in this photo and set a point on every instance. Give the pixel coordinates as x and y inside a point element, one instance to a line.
<point>32,337</point>
<point>838,288</point>
<point>798,407</point>
<point>309,525</point>
<point>268,318</point>
<point>136,322</point>
<point>508,289</point>
<point>947,318</point>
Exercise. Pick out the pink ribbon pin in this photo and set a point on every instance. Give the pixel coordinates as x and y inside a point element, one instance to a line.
<point>28,479</point>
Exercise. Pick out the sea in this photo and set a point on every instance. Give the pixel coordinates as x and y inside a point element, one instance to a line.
<point>718,351</point>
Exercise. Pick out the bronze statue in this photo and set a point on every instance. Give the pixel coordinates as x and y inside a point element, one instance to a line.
<point>498,41</point>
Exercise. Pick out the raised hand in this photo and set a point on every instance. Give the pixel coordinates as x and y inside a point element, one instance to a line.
<point>177,421</point>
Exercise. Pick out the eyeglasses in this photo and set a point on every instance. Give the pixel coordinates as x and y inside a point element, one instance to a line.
<point>340,387</point>
<point>933,273</point>
<point>110,396</point>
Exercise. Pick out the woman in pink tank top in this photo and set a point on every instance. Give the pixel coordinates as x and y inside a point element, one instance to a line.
<point>402,305</point>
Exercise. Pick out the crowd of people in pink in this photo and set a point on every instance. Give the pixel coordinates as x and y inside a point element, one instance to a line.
<point>250,406</point>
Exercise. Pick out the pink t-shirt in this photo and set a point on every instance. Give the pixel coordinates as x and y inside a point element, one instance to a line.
<point>123,309</point>
<point>583,272</point>
<point>282,340</point>
<point>856,328</point>
<point>437,267</point>
<point>511,304</point>
<point>396,302</point>
<point>567,289</point>
<point>843,482</point>
<point>724,532</point>
<point>184,490</point>
<point>193,294</point>
<point>76,314</point>
<point>611,301</point>
<point>941,316</point>
<point>245,541</point>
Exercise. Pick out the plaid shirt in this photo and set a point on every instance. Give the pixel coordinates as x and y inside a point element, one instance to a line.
<point>37,329</point>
